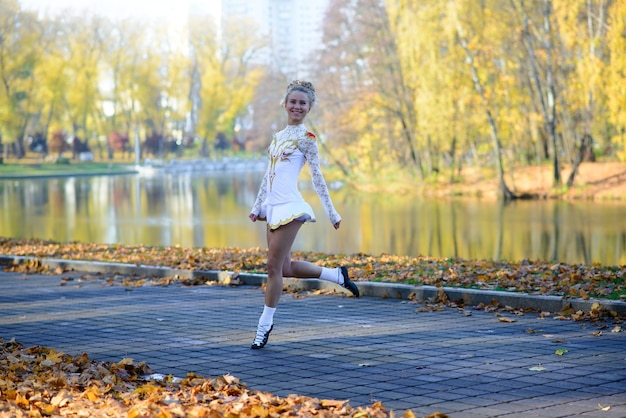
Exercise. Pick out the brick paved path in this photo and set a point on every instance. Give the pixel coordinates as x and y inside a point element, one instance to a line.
<point>331,346</point>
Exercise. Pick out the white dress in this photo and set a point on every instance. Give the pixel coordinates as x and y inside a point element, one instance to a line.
<point>279,201</point>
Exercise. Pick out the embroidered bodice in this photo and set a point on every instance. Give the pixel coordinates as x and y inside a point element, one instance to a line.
<point>288,151</point>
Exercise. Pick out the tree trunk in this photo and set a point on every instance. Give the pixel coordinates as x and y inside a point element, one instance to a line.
<point>408,136</point>
<point>504,192</point>
<point>585,144</point>
<point>395,87</point>
<point>551,92</point>
<point>547,99</point>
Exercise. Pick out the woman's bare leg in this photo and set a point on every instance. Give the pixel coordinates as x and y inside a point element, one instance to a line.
<point>279,264</point>
<point>301,269</point>
<point>279,242</point>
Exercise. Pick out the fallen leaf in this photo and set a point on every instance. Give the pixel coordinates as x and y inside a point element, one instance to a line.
<point>61,399</point>
<point>523,276</point>
<point>567,310</point>
<point>561,351</point>
<point>437,415</point>
<point>333,403</point>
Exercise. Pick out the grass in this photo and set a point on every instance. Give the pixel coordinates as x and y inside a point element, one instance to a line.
<point>35,169</point>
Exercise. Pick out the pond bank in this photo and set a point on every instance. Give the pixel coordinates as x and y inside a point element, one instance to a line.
<point>600,181</point>
<point>148,168</point>
<point>594,181</point>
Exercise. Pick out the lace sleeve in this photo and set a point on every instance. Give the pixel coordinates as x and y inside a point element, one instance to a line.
<point>309,148</point>
<point>260,198</point>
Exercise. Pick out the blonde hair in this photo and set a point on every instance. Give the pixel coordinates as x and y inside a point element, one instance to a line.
<point>304,86</point>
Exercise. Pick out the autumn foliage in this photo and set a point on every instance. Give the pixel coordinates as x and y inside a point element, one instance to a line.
<point>39,381</point>
<point>532,277</point>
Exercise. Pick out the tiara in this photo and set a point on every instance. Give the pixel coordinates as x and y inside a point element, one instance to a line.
<point>300,83</point>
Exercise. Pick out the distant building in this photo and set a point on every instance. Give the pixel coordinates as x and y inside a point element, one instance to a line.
<point>293,27</point>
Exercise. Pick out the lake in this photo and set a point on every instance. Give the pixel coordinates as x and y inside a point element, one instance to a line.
<point>210,209</point>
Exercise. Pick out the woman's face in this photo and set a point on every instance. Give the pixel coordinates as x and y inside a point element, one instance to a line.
<point>297,106</point>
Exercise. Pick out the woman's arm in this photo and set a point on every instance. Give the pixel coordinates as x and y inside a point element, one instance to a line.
<point>309,148</point>
<point>260,198</point>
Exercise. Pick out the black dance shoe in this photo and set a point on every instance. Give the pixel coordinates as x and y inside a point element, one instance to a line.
<point>349,284</point>
<point>262,335</point>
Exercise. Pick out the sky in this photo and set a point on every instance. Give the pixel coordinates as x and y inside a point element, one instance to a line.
<point>140,9</point>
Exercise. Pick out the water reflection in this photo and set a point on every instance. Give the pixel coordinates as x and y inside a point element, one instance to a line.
<point>210,210</point>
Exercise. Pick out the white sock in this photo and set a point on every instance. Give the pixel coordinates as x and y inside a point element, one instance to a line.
<point>267,317</point>
<point>332,275</point>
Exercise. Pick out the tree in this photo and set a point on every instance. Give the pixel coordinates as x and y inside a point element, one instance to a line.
<point>505,192</point>
<point>615,71</point>
<point>51,80</point>
<point>19,54</point>
<point>227,74</point>
<point>368,106</point>
<point>429,61</point>
<point>582,40</point>
<point>85,50</point>
<point>123,57</point>
<point>544,86</point>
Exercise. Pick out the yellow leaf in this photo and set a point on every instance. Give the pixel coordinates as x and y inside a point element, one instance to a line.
<point>503,319</point>
<point>567,310</point>
<point>258,411</point>
<point>134,413</point>
<point>230,379</point>
<point>332,403</point>
<point>264,397</point>
<point>61,399</point>
<point>125,362</point>
<point>54,357</point>
<point>48,409</point>
<point>92,393</point>
<point>21,400</point>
